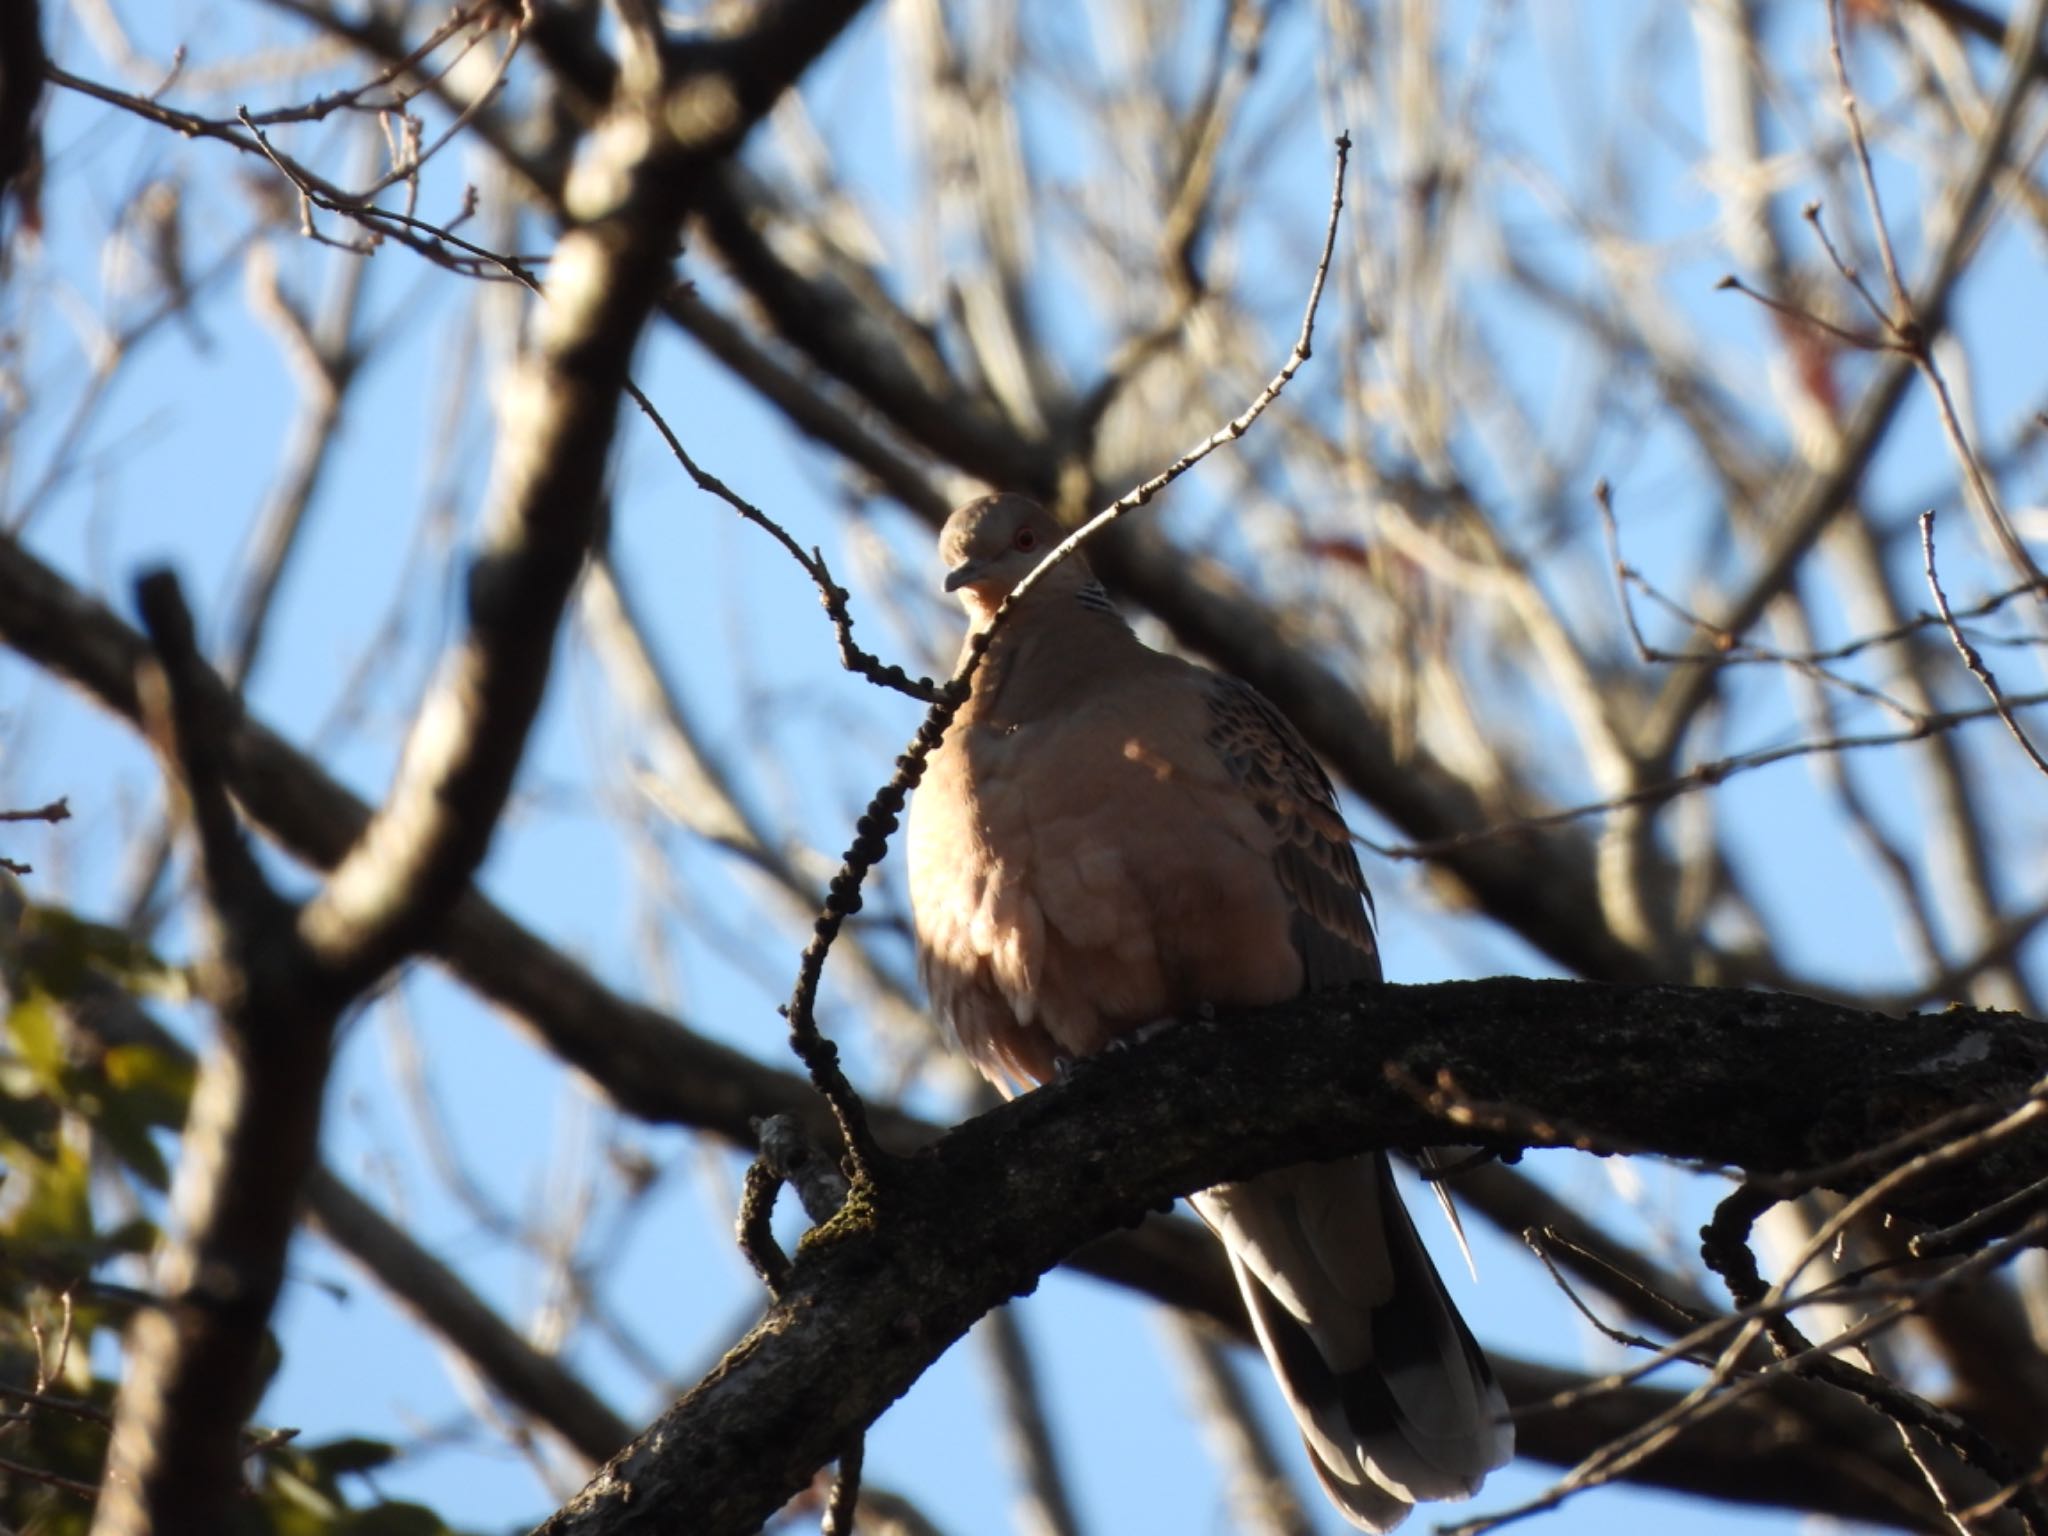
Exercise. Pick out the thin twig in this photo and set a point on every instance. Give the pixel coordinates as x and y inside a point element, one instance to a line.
<point>1961,1149</point>
<point>1723,1389</point>
<point>1888,1155</point>
<point>1829,487</point>
<point>1539,1239</point>
<point>418,235</point>
<point>1902,305</point>
<point>1984,1509</point>
<point>407,166</point>
<point>57,810</point>
<point>1908,334</point>
<point>324,106</point>
<point>1621,1284</point>
<point>1852,276</point>
<point>55,1480</point>
<point>1862,341</point>
<point>1755,1314</point>
<point>1729,649</point>
<point>92,1413</point>
<point>842,899</point>
<point>1909,1442</point>
<point>819,1056</point>
<point>1624,573</point>
<point>433,241</point>
<point>1713,1332</point>
<point>1949,1239</point>
<point>1971,658</point>
<point>1229,432</point>
<point>1725,1247</point>
<point>833,596</point>
<point>518,269</point>
<point>756,1235</point>
<point>845,1500</point>
<point>1701,776</point>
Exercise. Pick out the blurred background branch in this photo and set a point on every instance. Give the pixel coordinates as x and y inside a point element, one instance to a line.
<point>1721,737</point>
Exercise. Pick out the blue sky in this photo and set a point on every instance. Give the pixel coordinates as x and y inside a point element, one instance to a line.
<point>179,460</point>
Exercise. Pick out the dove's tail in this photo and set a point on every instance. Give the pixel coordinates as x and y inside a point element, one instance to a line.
<point>1392,1395</point>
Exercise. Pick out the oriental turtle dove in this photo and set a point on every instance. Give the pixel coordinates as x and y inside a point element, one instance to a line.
<point>1108,837</point>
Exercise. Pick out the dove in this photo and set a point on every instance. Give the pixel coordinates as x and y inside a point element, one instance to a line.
<point>1108,838</point>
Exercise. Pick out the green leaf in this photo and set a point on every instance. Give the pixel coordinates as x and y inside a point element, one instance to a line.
<point>61,949</point>
<point>32,1025</point>
<point>156,1085</point>
<point>128,1134</point>
<point>57,1207</point>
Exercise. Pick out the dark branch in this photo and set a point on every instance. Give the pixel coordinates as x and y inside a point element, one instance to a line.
<point>417,855</point>
<point>195,1360</point>
<point>1769,1084</point>
<point>661,1071</point>
<point>55,811</point>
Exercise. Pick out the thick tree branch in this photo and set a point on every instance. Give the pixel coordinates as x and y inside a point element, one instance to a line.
<point>21,87</point>
<point>705,94</point>
<point>279,978</point>
<point>194,1359</point>
<point>1798,1446</point>
<point>648,164</point>
<point>535,1383</point>
<point>1770,1084</point>
<point>1795,1446</point>
<point>651,1066</point>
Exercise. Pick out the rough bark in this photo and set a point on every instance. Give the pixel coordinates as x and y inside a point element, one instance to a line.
<point>1768,1084</point>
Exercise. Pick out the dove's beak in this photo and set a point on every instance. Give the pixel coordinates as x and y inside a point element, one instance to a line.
<point>966,575</point>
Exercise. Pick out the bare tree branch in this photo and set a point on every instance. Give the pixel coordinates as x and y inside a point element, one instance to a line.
<point>650,1065</point>
<point>874,1298</point>
<point>1827,489</point>
<point>251,1137</point>
<point>1798,1447</point>
<point>418,852</point>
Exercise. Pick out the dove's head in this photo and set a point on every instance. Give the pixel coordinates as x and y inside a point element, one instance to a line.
<point>992,543</point>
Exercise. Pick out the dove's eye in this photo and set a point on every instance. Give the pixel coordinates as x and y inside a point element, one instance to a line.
<point>1027,539</point>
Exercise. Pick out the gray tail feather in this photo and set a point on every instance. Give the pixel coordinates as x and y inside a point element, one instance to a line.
<point>1393,1397</point>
